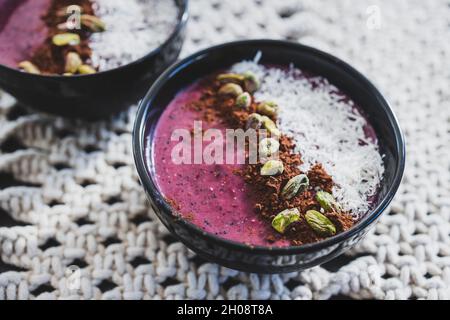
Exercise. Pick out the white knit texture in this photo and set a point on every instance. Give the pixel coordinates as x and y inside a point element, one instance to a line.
<point>78,185</point>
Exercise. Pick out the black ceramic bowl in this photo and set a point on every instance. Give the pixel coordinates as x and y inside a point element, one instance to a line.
<point>262,259</point>
<point>98,95</point>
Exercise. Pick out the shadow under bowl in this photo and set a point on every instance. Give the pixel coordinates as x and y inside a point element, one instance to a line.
<point>99,95</point>
<point>239,255</point>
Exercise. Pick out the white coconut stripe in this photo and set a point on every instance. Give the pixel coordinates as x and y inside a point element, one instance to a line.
<point>133,29</point>
<point>326,130</point>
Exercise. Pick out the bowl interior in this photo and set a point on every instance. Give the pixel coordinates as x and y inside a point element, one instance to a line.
<point>351,82</point>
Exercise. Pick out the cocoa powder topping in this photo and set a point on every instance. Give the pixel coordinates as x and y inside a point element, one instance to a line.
<point>216,107</point>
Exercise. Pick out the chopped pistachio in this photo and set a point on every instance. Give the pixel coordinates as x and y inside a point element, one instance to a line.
<point>251,82</point>
<point>327,201</point>
<point>85,69</point>
<point>284,219</point>
<point>64,39</point>
<point>93,23</point>
<point>73,62</point>
<point>294,186</point>
<point>272,168</point>
<point>320,223</point>
<point>29,67</point>
<point>254,121</point>
<point>231,89</point>
<point>231,77</point>
<point>267,108</point>
<point>270,126</point>
<point>268,147</point>
<point>244,100</point>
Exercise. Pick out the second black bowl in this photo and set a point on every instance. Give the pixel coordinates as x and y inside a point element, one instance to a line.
<point>98,95</point>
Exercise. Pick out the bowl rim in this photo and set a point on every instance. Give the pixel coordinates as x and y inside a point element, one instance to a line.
<point>182,19</point>
<point>138,140</point>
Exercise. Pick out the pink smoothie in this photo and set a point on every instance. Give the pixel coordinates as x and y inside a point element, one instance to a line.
<point>21,29</point>
<point>212,197</point>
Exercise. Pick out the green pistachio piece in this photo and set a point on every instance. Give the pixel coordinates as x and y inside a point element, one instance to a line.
<point>270,126</point>
<point>93,23</point>
<point>231,77</point>
<point>231,89</point>
<point>73,62</point>
<point>327,201</point>
<point>319,223</point>
<point>244,100</point>
<point>272,168</point>
<point>29,67</point>
<point>254,121</point>
<point>64,39</point>
<point>294,185</point>
<point>284,219</point>
<point>85,69</point>
<point>251,82</point>
<point>268,147</point>
<point>268,108</point>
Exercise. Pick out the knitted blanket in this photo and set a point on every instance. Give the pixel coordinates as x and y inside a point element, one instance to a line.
<point>74,219</point>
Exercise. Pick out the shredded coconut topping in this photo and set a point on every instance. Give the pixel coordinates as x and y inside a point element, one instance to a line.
<point>134,29</point>
<point>327,129</point>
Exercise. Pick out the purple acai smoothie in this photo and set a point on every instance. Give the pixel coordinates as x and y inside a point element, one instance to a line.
<point>22,29</point>
<point>221,201</point>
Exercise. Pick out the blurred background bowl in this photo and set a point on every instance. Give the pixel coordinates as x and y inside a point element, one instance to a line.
<point>97,95</point>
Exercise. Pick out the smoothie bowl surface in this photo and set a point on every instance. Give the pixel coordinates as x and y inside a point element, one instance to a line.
<point>86,58</point>
<point>230,212</point>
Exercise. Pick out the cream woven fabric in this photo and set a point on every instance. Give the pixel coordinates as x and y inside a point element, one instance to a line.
<point>79,202</point>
